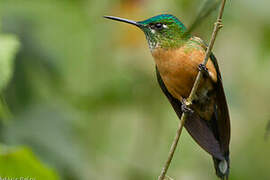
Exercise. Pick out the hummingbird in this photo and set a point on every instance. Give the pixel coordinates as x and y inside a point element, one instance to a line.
<point>178,57</point>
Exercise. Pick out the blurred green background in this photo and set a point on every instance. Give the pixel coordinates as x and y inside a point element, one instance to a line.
<point>79,97</point>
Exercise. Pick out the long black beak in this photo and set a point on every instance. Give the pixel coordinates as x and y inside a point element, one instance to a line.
<point>123,20</point>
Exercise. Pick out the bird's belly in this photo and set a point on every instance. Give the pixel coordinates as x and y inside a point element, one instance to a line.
<point>179,72</point>
<point>179,68</point>
<point>180,81</point>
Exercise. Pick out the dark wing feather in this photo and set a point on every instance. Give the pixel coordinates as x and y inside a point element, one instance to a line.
<point>221,120</point>
<point>222,112</point>
<point>197,127</point>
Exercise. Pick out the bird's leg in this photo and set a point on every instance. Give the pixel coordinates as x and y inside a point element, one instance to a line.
<point>204,70</point>
<point>185,107</point>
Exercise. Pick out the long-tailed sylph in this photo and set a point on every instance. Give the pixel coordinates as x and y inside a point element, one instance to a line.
<point>178,56</point>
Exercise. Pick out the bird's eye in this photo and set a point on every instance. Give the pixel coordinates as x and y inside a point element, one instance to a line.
<point>157,26</point>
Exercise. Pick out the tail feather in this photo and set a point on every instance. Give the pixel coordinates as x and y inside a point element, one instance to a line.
<point>222,167</point>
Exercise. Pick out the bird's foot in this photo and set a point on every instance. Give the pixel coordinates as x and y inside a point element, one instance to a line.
<point>204,70</point>
<point>185,107</point>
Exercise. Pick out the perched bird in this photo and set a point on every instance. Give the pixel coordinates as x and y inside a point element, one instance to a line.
<point>178,57</point>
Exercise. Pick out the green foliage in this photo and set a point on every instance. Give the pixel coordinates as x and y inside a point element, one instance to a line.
<point>16,162</point>
<point>9,45</point>
<point>41,126</point>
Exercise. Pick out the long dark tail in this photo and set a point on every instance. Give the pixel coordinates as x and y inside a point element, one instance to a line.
<point>222,167</point>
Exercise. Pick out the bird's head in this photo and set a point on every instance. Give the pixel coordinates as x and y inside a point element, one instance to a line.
<point>164,31</point>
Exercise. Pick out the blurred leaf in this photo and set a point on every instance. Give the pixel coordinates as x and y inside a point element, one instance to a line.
<point>50,134</point>
<point>265,44</point>
<point>267,132</point>
<point>207,8</point>
<point>21,162</point>
<point>5,113</point>
<point>8,48</point>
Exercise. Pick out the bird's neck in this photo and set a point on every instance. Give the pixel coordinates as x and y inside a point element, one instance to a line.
<point>167,51</point>
<point>168,42</point>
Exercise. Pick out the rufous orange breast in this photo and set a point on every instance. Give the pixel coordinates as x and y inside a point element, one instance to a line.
<point>179,67</point>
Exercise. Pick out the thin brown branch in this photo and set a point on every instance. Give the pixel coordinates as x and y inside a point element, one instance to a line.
<point>217,27</point>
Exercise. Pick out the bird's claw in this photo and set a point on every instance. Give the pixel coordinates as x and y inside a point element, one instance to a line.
<point>185,108</point>
<point>219,24</point>
<point>203,69</point>
<point>166,177</point>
